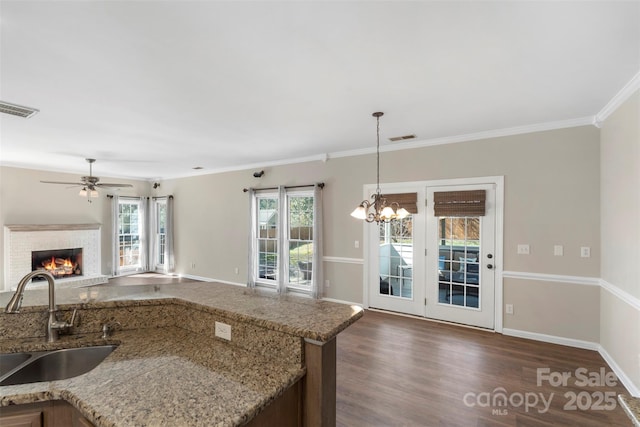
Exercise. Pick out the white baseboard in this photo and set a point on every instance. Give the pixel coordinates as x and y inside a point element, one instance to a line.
<point>209,279</point>
<point>553,339</point>
<point>587,345</point>
<point>339,301</point>
<point>633,389</point>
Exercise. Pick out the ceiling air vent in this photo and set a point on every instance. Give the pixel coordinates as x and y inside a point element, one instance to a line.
<point>401,138</point>
<point>16,110</point>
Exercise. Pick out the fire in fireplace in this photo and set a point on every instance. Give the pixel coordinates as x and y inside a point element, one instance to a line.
<point>59,262</point>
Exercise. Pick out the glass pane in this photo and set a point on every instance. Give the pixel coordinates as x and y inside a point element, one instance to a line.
<point>457,295</point>
<point>472,297</point>
<point>458,261</point>
<point>267,217</point>
<point>300,217</point>
<point>396,258</point>
<point>444,292</point>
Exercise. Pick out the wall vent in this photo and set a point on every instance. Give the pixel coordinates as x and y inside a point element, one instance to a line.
<point>401,138</point>
<point>16,110</point>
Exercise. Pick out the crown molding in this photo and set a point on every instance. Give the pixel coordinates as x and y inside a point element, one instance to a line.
<point>629,89</point>
<point>496,133</point>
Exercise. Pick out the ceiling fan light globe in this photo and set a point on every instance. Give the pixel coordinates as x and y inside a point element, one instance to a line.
<point>83,192</point>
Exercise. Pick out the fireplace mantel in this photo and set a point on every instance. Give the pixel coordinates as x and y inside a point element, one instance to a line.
<point>22,239</point>
<point>51,227</point>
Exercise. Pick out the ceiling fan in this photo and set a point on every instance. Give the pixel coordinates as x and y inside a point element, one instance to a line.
<point>89,184</point>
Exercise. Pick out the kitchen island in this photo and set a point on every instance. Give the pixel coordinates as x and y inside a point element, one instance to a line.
<point>170,369</point>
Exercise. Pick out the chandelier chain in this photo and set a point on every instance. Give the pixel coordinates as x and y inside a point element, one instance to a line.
<point>378,154</point>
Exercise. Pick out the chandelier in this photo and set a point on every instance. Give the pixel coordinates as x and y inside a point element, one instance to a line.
<point>377,209</point>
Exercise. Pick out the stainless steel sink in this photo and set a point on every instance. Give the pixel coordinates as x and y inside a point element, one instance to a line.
<point>55,365</point>
<point>10,361</point>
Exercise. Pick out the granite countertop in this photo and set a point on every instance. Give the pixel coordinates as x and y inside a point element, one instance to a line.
<point>631,406</point>
<point>300,316</point>
<point>162,377</point>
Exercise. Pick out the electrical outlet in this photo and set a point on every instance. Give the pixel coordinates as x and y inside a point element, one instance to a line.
<point>193,265</point>
<point>509,308</point>
<point>585,252</point>
<point>237,270</point>
<point>327,283</point>
<point>523,249</point>
<point>356,244</point>
<point>558,250</point>
<point>223,331</point>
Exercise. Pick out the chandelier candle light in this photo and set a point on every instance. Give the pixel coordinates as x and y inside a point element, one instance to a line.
<point>381,211</point>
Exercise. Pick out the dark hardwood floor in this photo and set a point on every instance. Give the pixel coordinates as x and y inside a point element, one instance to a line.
<point>400,371</point>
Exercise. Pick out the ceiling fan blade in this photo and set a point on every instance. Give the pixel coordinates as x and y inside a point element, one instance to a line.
<point>62,182</point>
<point>104,184</point>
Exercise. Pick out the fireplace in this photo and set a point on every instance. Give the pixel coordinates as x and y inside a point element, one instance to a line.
<point>60,263</point>
<point>24,241</point>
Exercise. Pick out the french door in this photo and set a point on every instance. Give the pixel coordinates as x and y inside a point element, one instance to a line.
<point>440,267</point>
<point>397,282</point>
<point>460,277</point>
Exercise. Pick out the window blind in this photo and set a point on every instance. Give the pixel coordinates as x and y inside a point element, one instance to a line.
<point>409,201</point>
<point>459,203</point>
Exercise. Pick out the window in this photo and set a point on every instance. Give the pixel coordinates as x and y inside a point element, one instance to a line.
<point>284,240</point>
<point>300,228</point>
<point>160,231</point>
<point>267,262</point>
<point>129,234</point>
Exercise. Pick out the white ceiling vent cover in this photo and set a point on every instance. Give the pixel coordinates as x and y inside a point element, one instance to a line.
<point>16,110</point>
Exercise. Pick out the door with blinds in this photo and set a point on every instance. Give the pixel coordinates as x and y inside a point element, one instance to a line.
<point>460,240</point>
<point>396,270</point>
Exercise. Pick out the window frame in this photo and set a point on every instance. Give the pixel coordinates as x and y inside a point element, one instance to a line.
<point>287,268</point>
<point>263,281</point>
<point>283,240</point>
<point>124,269</point>
<point>159,239</point>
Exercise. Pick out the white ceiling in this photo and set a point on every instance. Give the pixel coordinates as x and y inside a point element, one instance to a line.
<point>153,89</point>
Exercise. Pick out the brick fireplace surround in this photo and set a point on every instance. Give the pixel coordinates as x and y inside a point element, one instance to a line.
<point>21,240</point>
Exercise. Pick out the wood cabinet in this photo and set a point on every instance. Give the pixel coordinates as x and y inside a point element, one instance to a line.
<point>55,413</point>
<point>285,411</point>
<point>33,418</point>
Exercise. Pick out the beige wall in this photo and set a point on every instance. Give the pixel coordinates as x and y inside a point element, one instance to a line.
<point>620,187</point>
<point>552,197</point>
<point>620,231</point>
<point>25,200</point>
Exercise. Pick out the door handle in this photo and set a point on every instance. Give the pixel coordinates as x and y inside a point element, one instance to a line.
<point>489,266</point>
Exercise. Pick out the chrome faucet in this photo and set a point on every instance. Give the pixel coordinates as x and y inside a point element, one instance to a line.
<point>53,324</point>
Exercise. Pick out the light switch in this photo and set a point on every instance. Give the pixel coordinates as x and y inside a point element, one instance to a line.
<point>558,250</point>
<point>585,252</point>
<point>356,244</point>
<point>523,249</point>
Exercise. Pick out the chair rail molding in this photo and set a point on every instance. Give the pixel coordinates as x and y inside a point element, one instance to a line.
<point>343,260</point>
<point>577,280</point>
<point>621,294</point>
